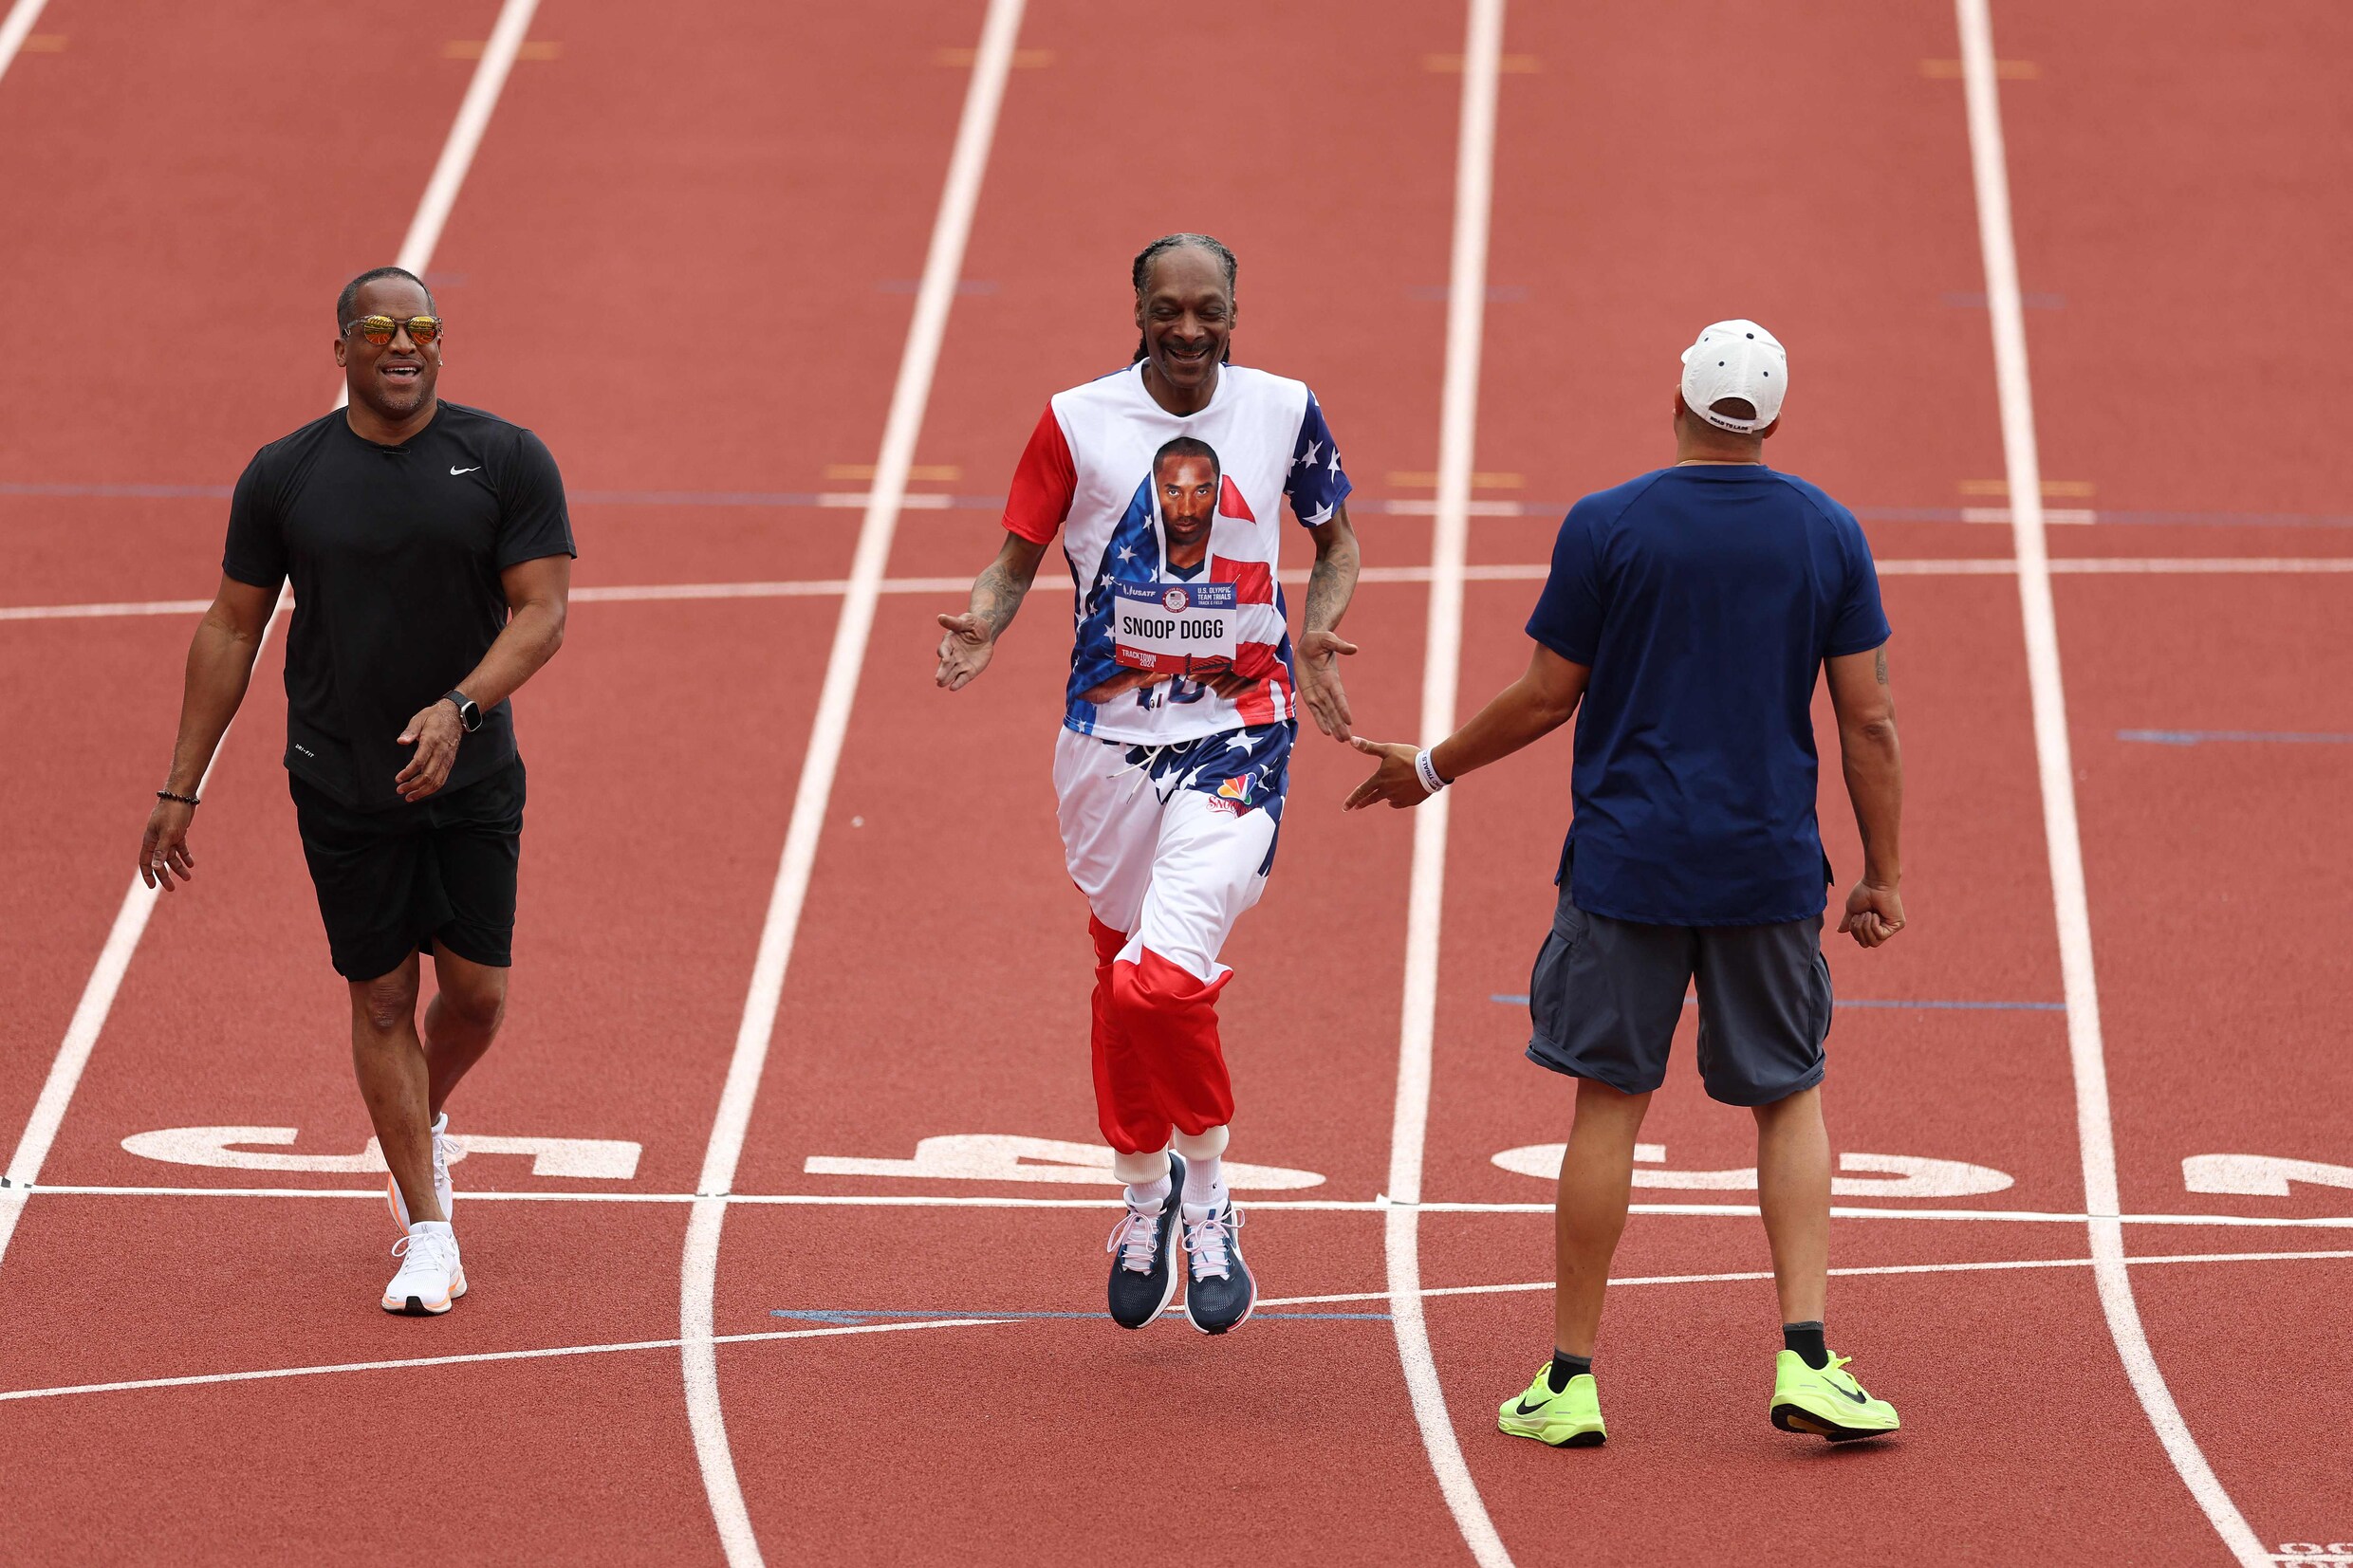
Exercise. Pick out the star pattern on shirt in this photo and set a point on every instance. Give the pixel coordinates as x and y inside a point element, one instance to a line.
<point>1335,462</point>
<point>1317,518</point>
<point>1307,458</point>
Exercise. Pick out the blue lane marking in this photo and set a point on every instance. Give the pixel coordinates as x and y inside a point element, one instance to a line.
<point>1511,999</point>
<point>847,1318</point>
<point>2198,737</point>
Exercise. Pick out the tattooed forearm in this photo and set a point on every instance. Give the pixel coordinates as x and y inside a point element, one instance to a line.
<point>997,596</point>
<point>1332,583</point>
<point>1879,665</point>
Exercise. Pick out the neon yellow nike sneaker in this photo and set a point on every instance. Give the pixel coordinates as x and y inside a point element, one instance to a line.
<point>1826,1402</point>
<point>1570,1419</point>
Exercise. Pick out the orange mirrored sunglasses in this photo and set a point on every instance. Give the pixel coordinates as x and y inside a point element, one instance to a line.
<point>380,330</point>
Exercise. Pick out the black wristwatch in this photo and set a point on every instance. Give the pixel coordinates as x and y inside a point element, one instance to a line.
<point>469,711</point>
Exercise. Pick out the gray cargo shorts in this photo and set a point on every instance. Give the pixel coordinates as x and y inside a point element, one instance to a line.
<point>1606,995</point>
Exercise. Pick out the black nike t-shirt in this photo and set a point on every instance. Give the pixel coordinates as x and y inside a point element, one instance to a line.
<point>395,553</point>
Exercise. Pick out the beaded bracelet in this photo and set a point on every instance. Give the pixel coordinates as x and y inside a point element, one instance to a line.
<point>184,800</point>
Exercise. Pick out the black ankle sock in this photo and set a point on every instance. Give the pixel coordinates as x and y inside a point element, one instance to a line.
<point>1565,1367</point>
<point>1805,1338</point>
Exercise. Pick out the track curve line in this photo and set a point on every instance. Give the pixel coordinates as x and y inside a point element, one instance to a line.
<point>2062,830</point>
<point>910,395</point>
<point>1466,312</point>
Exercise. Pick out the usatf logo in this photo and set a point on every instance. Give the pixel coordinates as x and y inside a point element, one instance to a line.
<point>1236,788</point>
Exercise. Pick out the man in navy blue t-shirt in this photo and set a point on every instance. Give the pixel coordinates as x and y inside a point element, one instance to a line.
<point>1687,616</point>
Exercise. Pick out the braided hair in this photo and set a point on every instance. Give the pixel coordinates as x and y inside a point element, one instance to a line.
<point>1159,248</point>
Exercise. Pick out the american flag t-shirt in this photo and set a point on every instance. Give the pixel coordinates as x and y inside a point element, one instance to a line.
<point>1184,510</point>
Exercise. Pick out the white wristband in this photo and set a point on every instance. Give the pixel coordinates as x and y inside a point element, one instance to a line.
<point>1427,771</point>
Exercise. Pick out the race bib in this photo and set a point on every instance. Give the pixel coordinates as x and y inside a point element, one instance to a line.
<point>1173,628</point>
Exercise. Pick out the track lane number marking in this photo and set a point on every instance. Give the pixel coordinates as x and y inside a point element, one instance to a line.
<point>1001,1157</point>
<point>2258,1175</point>
<point>595,1159</point>
<point>1894,1175</point>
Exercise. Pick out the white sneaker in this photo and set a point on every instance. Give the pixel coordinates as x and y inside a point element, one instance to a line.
<point>431,1277</point>
<point>440,1176</point>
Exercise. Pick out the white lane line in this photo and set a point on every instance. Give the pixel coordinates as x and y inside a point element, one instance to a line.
<point>1858,1272</point>
<point>202,1379</point>
<point>89,1015</point>
<point>2094,1128</point>
<point>465,138</point>
<point>458,147</point>
<point>114,959</point>
<point>698,1269</point>
<point>102,612</point>
<point>16,28</point>
<point>1332,1206</point>
<point>1534,571</point>
<point>1466,317</point>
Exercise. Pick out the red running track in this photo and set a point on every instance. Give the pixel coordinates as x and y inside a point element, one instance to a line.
<point>685,255</point>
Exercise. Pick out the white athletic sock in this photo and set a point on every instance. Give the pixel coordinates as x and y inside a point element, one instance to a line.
<point>1152,1197</point>
<point>1204,1185</point>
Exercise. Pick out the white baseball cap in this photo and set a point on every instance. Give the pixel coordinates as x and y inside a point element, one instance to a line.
<point>1741,359</point>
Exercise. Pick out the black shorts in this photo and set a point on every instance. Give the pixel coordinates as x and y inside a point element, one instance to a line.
<point>394,882</point>
<point>1607,994</point>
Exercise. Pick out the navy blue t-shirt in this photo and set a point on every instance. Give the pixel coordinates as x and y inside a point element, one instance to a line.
<point>1704,600</point>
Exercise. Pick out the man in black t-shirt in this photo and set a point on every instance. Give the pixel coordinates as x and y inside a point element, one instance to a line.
<point>430,555</point>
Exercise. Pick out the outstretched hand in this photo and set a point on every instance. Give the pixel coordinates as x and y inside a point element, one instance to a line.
<point>1874,914</point>
<point>964,652</point>
<point>1318,656</point>
<point>1393,780</point>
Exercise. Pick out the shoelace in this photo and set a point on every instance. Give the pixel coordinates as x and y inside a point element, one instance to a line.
<point>438,1251</point>
<point>1136,1238</point>
<point>1206,1244</point>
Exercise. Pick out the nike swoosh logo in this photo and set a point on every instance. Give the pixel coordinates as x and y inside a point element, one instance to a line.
<point>1526,1409</point>
<point>1858,1398</point>
<point>476,468</point>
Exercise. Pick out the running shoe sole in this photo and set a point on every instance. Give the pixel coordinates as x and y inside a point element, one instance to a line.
<point>1575,1440</point>
<point>1796,1418</point>
<point>416,1306</point>
<point>1229,1327</point>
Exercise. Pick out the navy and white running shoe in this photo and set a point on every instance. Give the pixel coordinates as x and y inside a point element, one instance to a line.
<point>1143,1277</point>
<point>1219,1291</point>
